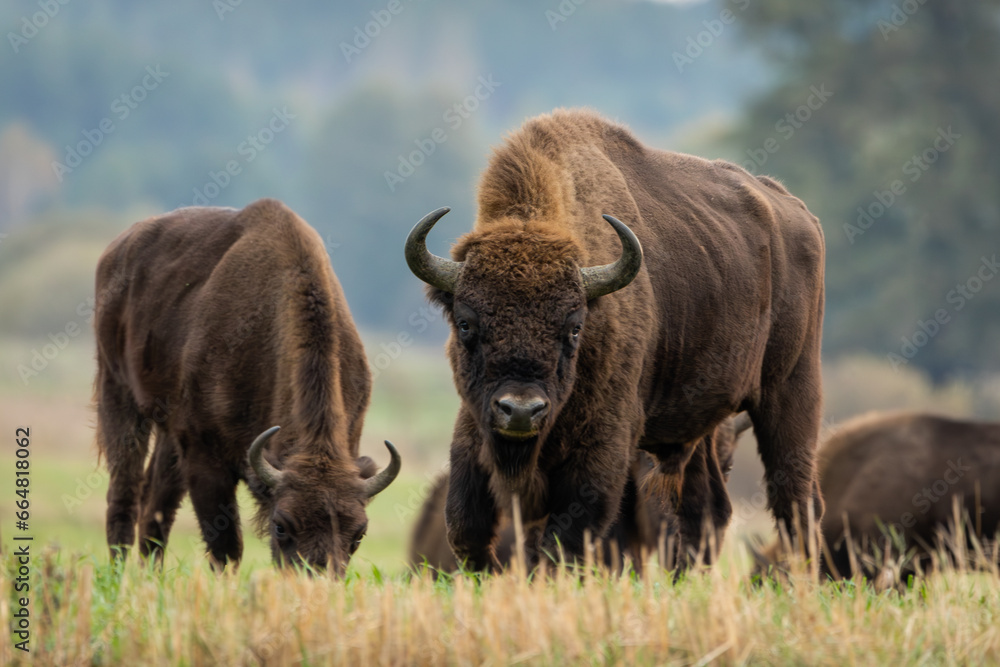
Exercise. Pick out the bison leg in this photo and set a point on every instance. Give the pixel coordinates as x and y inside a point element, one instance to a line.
<point>213,494</point>
<point>161,496</point>
<point>786,422</point>
<point>470,511</point>
<point>704,503</point>
<point>123,438</point>
<point>585,496</point>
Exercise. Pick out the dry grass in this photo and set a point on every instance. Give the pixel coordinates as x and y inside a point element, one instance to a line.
<point>85,613</point>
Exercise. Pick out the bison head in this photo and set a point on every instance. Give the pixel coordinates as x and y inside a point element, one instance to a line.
<point>518,304</point>
<point>317,513</point>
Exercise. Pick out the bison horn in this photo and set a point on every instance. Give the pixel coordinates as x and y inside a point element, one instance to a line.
<point>266,472</point>
<point>378,483</point>
<point>601,280</point>
<point>741,423</point>
<point>433,270</point>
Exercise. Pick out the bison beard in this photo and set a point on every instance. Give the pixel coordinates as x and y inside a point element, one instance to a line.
<point>513,459</point>
<point>571,342</point>
<point>213,324</point>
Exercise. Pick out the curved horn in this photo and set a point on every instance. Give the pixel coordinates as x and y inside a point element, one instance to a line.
<point>265,471</point>
<point>601,280</point>
<point>741,423</point>
<point>375,485</point>
<point>433,270</point>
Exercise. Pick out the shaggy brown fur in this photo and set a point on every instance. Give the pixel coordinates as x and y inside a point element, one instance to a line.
<point>638,528</point>
<point>726,315</point>
<point>212,325</point>
<point>635,529</point>
<point>902,473</point>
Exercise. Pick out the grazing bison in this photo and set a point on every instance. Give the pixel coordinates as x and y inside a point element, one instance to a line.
<point>638,527</point>
<point>569,350</point>
<point>901,473</point>
<point>213,324</point>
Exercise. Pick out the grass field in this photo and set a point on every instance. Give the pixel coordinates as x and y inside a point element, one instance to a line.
<point>84,613</point>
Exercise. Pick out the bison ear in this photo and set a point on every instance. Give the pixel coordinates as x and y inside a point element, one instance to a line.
<point>441,298</point>
<point>367,467</point>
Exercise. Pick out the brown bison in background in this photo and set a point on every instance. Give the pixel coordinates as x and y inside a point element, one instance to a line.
<point>569,350</point>
<point>637,528</point>
<point>213,324</point>
<point>902,473</point>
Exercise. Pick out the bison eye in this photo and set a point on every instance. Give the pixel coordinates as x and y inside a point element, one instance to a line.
<point>572,328</point>
<point>280,532</point>
<point>466,322</point>
<point>358,536</point>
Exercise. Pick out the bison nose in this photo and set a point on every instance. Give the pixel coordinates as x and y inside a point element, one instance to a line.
<point>520,414</point>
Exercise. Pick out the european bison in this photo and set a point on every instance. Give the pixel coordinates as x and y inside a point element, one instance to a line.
<point>213,324</point>
<point>639,526</point>
<point>900,473</point>
<point>569,350</point>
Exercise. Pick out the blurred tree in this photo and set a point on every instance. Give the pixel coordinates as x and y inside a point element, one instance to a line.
<point>376,165</point>
<point>26,177</point>
<point>47,272</point>
<point>900,163</point>
<point>353,118</point>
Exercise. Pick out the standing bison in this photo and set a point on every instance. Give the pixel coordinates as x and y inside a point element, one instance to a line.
<point>569,349</point>
<point>213,324</point>
<point>903,472</point>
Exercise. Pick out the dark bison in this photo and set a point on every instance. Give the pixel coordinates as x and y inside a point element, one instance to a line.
<point>901,473</point>
<point>638,528</point>
<point>213,324</point>
<point>569,350</point>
